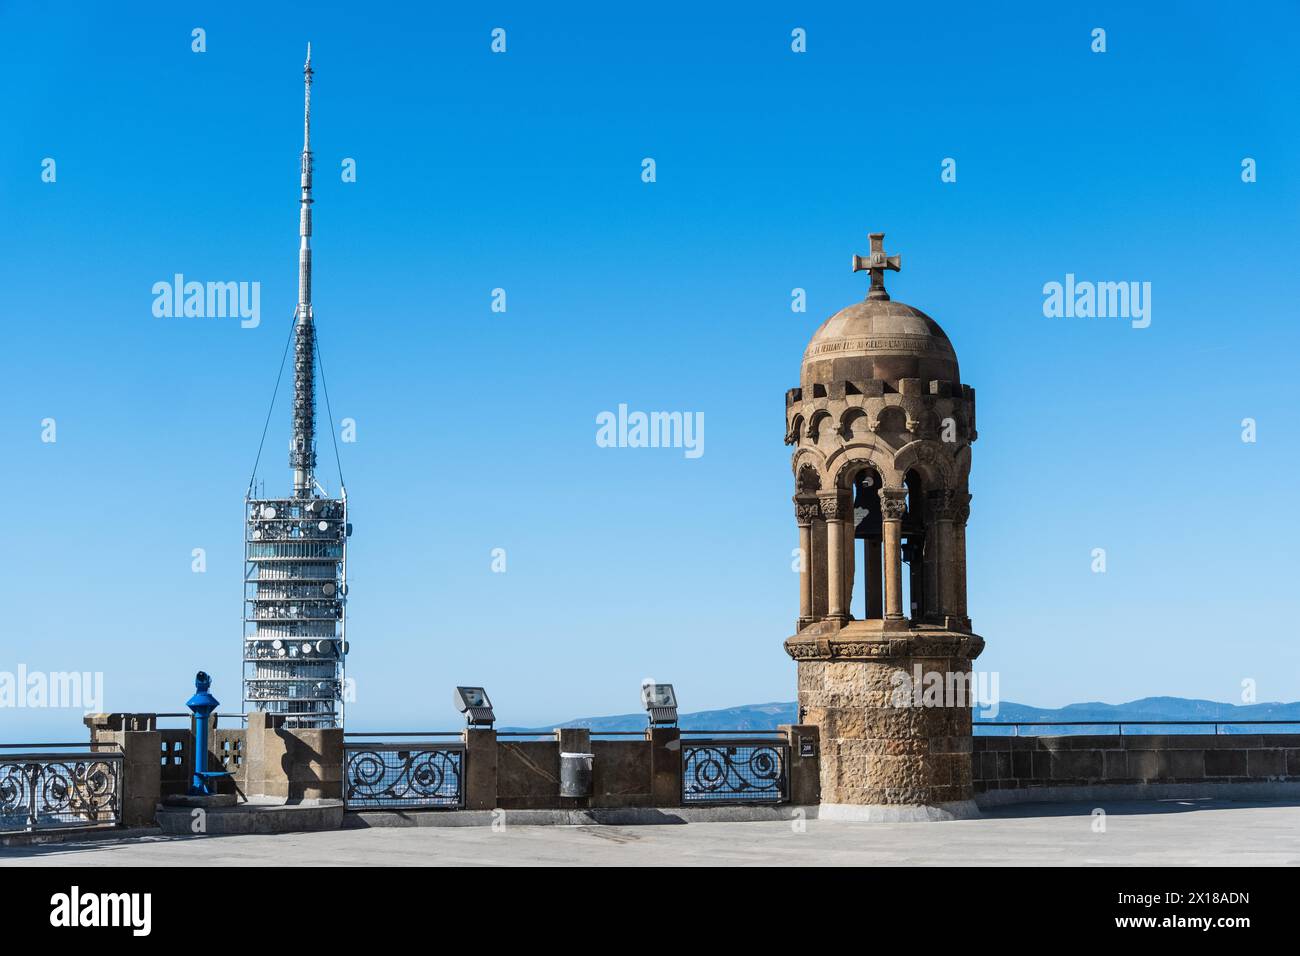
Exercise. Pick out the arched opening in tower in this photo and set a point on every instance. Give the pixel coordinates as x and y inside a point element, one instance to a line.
<point>864,566</point>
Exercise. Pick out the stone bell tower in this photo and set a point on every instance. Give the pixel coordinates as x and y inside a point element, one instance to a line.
<point>882,430</point>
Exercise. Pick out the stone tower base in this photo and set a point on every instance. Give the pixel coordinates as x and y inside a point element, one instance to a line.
<point>894,712</point>
<point>901,813</point>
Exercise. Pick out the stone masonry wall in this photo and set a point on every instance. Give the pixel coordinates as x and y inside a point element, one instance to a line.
<point>876,752</point>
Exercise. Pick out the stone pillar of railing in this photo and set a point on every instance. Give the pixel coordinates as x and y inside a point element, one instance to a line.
<point>479,770</point>
<point>141,746</point>
<point>805,763</point>
<point>665,765</point>
<point>298,763</point>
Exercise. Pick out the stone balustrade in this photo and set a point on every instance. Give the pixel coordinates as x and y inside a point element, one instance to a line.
<point>267,760</point>
<point>1077,767</point>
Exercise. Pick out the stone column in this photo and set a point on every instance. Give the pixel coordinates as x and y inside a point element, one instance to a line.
<point>817,566</point>
<point>834,512</point>
<point>916,575</point>
<point>849,555</point>
<point>931,574</point>
<point>893,504</point>
<point>962,515</point>
<point>874,571</point>
<point>943,509</point>
<point>805,512</point>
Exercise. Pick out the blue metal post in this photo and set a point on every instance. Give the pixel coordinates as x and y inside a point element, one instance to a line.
<point>202,704</point>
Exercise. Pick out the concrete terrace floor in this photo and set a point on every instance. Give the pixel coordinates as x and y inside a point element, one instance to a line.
<point>1161,833</point>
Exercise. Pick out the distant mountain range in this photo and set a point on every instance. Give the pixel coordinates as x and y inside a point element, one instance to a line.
<point>1150,708</point>
<point>745,717</point>
<point>768,716</point>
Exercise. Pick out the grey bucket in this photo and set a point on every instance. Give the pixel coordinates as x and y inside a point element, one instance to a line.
<point>575,775</point>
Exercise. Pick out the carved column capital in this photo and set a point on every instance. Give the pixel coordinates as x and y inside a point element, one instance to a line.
<point>962,506</point>
<point>806,510</point>
<point>833,508</point>
<point>893,503</point>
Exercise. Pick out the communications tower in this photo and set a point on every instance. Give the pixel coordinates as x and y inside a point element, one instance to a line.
<point>295,548</point>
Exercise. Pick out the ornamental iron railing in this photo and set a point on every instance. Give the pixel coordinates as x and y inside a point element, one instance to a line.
<point>403,775</point>
<point>735,771</point>
<point>53,790</point>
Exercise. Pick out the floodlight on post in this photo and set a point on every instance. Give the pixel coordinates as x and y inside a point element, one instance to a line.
<point>473,702</point>
<point>660,702</point>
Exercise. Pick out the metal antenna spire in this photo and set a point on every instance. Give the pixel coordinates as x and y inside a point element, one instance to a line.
<point>302,453</point>
<point>296,548</point>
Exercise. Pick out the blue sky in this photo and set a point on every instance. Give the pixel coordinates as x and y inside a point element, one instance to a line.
<point>476,430</point>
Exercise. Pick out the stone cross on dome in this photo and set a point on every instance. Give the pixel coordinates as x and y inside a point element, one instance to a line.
<point>876,263</point>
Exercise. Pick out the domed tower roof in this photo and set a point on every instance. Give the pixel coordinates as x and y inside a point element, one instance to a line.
<point>878,338</point>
